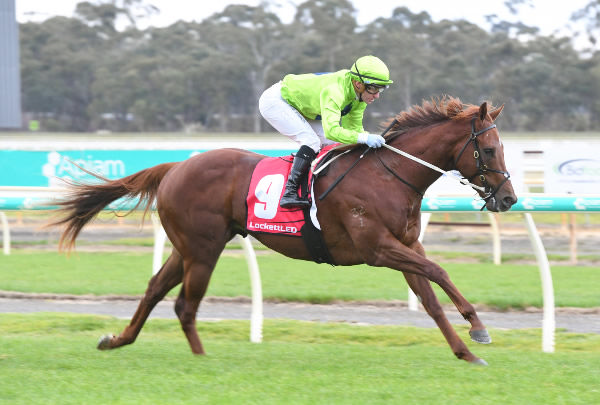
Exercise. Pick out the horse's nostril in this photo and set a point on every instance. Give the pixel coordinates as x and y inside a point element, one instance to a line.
<point>509,201</point>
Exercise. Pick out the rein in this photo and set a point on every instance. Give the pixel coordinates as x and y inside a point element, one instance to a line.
<point>335,183</point>
<point>389,169</point>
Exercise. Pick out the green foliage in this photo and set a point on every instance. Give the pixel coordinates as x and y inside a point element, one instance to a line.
<point>505,286</point>
<point>50,358</point>
<point>82,74</point>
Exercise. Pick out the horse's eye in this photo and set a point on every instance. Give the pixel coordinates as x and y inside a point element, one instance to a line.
<point>489,152</point>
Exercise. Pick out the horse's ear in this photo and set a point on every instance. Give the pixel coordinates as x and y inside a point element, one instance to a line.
<point>483,111</point>
<point>495,113</point>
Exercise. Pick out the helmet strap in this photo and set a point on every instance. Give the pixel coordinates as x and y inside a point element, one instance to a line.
<point>360,93</point>
<point>358,73</point>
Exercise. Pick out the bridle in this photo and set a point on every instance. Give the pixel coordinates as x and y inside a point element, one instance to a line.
<point>482,168</point>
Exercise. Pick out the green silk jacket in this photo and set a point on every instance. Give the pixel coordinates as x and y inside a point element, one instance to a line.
<point>329,97</point>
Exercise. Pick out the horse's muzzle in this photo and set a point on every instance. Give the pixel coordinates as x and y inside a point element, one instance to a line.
<point>501,205</point>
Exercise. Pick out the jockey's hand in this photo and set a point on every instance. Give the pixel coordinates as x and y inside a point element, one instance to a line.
<point>372,140</point>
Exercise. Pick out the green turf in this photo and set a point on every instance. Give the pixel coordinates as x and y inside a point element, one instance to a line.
<point>504,286</point>
<point>51,358</point>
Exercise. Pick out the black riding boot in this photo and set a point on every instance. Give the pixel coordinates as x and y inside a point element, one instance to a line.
<point>300,165</point>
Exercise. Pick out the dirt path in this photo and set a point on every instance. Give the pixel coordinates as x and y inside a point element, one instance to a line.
<point>373,313</point>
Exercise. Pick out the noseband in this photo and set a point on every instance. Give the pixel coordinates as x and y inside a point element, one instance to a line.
<point>482,168</point>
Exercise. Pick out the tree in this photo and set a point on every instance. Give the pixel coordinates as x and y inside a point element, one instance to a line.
<point>590,15</point>
<point>545,87</point>
<point>326,27</point>
<point>57,62</point>
<point>401,42</point>
<point>252,40</point>
<point>89,73</point>
<point>105,14</point>
<point>154,79</point>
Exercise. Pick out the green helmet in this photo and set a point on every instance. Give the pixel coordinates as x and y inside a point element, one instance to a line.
<point>371,70</point>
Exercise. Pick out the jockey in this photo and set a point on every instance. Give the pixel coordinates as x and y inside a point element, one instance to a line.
<point>317,109</point>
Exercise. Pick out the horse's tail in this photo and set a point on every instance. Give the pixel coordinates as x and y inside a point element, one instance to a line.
<point>84,201</point>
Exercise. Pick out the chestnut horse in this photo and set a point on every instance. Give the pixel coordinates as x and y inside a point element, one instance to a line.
<point>371,217</point>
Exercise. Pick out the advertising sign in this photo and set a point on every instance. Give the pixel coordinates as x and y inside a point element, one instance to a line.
<point>572,169</point>
<point>46,168</point>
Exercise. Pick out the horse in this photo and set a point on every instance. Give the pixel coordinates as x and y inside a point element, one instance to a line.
<point>371,217</point>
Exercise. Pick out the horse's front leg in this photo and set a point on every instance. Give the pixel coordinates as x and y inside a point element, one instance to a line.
<point>422,288</point>
<point>390,252</point>
<point>170,274</point>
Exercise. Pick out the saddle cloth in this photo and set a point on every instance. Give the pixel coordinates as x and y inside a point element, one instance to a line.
<point>265,215</point>
<point>266,188</point>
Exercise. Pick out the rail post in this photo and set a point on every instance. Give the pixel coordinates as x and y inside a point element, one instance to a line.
<point>5,234</point>
<point>548,323</point>
<point>256,317</point>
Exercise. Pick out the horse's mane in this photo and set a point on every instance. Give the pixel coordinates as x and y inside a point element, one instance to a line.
<point>430,112</point>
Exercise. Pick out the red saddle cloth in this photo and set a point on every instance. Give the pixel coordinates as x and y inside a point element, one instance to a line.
<point>266,188</point>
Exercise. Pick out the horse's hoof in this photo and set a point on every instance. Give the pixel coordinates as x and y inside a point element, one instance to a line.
<point>480,336</point>
<point>104,342</point>
<point>480,362</point>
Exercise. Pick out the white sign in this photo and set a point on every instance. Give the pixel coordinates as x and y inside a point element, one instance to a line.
<point>572,169</point>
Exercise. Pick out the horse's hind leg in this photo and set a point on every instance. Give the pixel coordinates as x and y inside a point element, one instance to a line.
<point>170,274</point>
<point>195,282</point>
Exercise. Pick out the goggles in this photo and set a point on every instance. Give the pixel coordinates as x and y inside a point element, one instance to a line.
<point>374,89</point>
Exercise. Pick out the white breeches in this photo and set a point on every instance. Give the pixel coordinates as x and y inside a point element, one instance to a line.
<point>287,120</point>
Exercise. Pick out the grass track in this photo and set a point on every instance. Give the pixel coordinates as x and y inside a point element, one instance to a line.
<point>50,358</point>
<point>509,285</point>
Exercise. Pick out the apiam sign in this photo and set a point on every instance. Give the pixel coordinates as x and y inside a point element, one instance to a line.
<point>47,168</point>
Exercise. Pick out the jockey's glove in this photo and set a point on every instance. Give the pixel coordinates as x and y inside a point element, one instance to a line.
<point>372,140</point>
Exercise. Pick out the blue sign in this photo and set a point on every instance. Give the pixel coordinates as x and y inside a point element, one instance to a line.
<point>46,168</point>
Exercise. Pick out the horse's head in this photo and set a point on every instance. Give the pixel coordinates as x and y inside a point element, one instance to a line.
<point>481,161</point>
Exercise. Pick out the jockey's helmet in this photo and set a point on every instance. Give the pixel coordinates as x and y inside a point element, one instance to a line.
<point>371,70</point>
